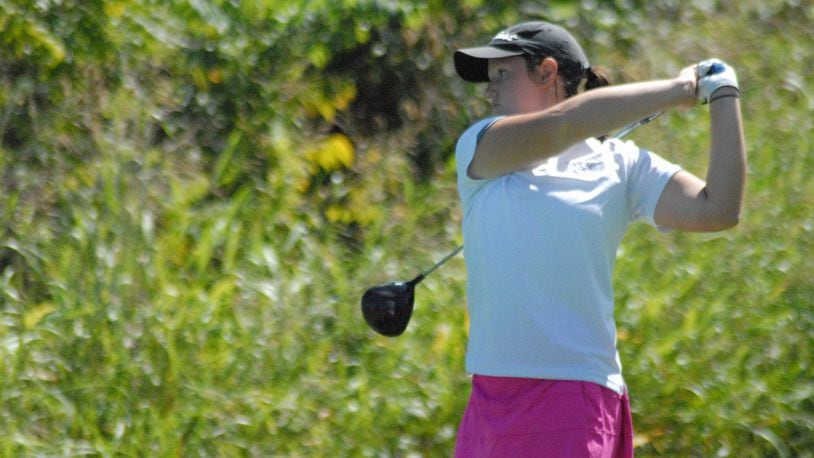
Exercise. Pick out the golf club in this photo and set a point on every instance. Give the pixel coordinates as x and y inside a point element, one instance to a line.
<point>387,308</point>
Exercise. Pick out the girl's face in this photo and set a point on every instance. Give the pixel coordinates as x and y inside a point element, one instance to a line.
<point>512,89</point>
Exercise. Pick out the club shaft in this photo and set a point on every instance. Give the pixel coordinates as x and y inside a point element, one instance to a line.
<point>441,262</point>
<point>635,125</point>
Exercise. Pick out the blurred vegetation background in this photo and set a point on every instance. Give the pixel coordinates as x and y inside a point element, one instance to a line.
<point>196,193</point>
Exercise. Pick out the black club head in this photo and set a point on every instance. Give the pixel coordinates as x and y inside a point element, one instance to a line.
<point>387,308</point>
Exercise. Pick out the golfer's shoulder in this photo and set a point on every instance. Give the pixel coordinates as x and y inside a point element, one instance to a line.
<point>638,164</point>
<point>474,132</point>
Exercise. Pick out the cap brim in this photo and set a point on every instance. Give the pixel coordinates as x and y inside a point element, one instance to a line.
<point>472,64</point>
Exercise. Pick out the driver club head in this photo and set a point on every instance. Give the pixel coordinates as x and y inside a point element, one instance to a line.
<point>387,308</point>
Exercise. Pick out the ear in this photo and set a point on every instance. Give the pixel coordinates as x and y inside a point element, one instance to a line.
<point>547,71</point>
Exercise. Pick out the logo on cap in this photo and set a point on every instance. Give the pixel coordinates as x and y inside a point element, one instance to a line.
<point>506,36</point>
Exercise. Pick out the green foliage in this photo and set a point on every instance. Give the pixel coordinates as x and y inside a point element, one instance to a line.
<point>195,195</point>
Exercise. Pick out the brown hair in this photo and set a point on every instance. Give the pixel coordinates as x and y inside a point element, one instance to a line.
<point>573,74</point>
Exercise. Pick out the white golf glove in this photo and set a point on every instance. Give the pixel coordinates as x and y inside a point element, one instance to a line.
<point>712,75</point>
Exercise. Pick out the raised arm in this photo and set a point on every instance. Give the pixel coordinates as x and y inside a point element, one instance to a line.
<point>521,141</point>
<point>687,202</point>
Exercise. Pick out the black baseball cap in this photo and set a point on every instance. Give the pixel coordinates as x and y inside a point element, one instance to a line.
<point>536,38</point>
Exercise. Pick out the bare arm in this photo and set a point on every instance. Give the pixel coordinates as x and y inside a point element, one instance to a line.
<point>687,202</point>
<point>521,141</point>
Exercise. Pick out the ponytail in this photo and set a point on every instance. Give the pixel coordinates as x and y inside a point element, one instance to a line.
<point>596,77</point>
<point>574,74</point>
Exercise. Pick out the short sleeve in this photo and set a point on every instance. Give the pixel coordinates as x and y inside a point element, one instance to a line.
<point>465,151</point>
<point>647,175</point>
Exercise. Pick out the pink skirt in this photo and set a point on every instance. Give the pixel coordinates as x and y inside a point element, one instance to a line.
<point>520,417</point>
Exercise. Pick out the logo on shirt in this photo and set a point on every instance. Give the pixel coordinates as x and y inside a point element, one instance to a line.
<point>573,169</point>
<point>586,167</point>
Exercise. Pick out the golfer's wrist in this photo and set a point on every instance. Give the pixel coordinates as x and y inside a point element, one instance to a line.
<point>684,91</point>
<point>724,93</point>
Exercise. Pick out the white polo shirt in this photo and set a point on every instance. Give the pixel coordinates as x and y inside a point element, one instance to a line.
<point>540,247</point>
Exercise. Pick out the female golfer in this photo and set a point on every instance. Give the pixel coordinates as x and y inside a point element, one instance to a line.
<point>545,204</point>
